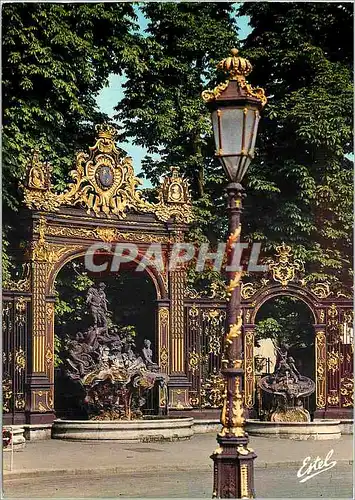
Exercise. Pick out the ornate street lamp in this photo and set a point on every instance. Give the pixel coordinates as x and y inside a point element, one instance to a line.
<point>235,107</point>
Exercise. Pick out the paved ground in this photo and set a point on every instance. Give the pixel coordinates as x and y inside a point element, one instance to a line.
<point>270,483</point>
<point>59,469</point>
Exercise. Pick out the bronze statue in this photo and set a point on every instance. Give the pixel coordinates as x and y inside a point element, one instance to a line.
<point>285,365</point>
<point>97,302</point>
<point>103,360</point>
<point>287,386</point>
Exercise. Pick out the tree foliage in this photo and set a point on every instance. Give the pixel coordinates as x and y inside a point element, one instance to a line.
<point>300,184</point>
<point>286,321</point>
<point>55,59</point>
<point>162,109</point>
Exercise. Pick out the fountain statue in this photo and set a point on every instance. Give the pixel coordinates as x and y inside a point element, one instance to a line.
<point>103,360</point>
<point>287,386</point>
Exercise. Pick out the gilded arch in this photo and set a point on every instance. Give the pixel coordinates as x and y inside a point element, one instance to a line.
<point>285,276</point>
<point>101,204</point>
<point>160,280</point>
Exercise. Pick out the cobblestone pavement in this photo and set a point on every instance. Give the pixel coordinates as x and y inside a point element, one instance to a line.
<point>63,469</point>
<point>89,456</point>
<point>274,482</point>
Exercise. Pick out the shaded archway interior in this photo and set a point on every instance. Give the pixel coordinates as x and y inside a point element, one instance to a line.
<point>131,299</point>
<point>286,320</point>
<point>131,296</point>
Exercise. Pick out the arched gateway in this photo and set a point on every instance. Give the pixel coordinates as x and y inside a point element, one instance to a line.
<point>333,330</point>
<point>100,207</point>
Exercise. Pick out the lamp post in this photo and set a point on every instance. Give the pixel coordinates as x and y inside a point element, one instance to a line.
<point>235,108</point>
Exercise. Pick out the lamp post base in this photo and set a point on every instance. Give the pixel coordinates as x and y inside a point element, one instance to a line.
<point>233,469</point>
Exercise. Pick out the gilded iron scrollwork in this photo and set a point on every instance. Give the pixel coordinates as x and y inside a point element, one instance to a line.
<point>212,391</point>
<point>321,290</point>
<point>6,394</point>
<point>333,398</point>
<point>104,183</point>
<point>347,391</point>
<point>194,323</point>
<point>333,316</point>
<point>333,326</point>
<point>23,284</point>
<point>42,401</point>
<point>20,360</point>
<point>214,320</point>
<point>248,290</point>
<point>284,267</point>
<point>21,309</point>
<point>321,369</point>
<point>249,369</point>
<point>20,402</point>
<point>215,290</point>
<point>334,360</point>
<point>321,316</point>
<point>7,317</point>
<point>106,234</point>
<point>164,357</point>
<point>163,317</point>
<point>193,361</point>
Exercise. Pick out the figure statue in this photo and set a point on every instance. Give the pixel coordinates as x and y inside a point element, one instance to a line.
<point>97,302</point>
<point>287,386</point>
<point>292,365</point>
<point>104,361</point>
<point>117,356</point>
<point>285,365</point>
<point>79,358</point>
<point>148,354</point>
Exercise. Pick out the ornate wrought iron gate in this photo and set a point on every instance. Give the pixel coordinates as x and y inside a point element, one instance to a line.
<point>15,319</point>
<point>204,343</point>
<point>334,342</point>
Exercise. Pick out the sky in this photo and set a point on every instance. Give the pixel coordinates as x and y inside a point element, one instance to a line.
<point>113,93</point>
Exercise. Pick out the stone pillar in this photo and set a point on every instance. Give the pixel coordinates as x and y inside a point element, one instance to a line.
<point>41,377</point>
<point>179,384</point>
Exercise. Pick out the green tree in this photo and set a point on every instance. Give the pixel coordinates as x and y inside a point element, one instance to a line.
<point>300,184</point>
<point>162,109</point>
<point>285,320</point>
<point>55,60</point>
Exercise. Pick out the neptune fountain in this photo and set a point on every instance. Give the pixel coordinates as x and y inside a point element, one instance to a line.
<point>114,378</point>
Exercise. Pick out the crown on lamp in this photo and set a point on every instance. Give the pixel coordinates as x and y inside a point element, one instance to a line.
<point>237,67</point>
<point>106,131</point>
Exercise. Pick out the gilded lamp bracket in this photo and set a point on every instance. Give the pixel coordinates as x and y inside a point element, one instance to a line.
<point>103,182</point>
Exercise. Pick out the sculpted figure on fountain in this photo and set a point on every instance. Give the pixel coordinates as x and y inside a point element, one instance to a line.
<point>104,362</point>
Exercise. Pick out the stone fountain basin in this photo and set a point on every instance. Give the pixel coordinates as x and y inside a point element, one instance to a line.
<point>144,430</point>
<point>316,430</point>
